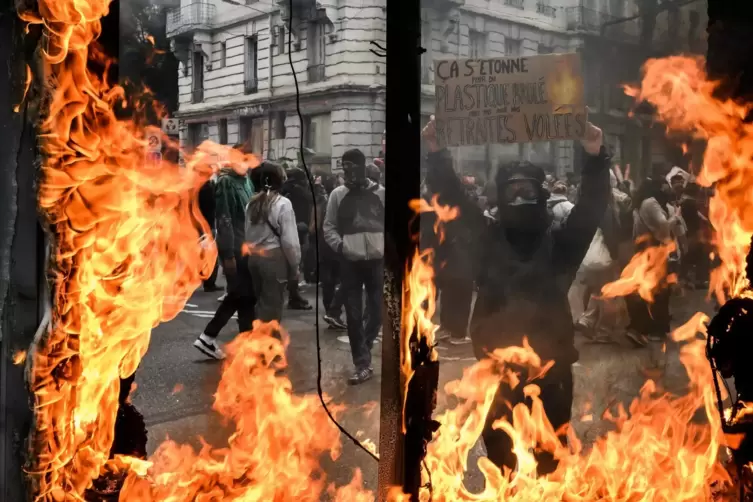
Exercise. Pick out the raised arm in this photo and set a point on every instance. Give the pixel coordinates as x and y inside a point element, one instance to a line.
<point>574,237</point>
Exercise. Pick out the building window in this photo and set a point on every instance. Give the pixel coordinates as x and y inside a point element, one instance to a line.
<point>512,47</point>
<point>252,134</point>
<point>279,125</point>
<point>477,44</point>
<point>250,80</point>
<point>223,55</point>
<point>281,40</point>
<point>544,7</point>
<point>197,133</point>
<point>317,133</point>
<point>197,82</point>
<point>316,51</point>
<point>222,131</point>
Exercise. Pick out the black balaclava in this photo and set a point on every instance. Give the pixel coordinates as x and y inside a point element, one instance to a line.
<point>524,210</point>
<point>354,169</point>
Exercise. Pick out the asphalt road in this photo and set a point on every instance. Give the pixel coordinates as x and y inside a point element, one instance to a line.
<point>175,382</point>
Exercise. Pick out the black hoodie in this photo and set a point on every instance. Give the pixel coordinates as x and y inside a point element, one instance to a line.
<point>523,276</point>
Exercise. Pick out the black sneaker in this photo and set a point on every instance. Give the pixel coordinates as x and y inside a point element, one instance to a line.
<point>638,339</point>
<point>361,376</point>
<point>208,346</point>
<point>335,322</point>
<point>299,305</point>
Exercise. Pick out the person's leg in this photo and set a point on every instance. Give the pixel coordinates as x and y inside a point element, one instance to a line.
<point>659,320</point>
<point>353,290</point>
<point>373,276</point>
<point>221,317</point>
<point>640,317</point>
<point>576,295</point>
<point>210,284</point>
<point>557,398</point>
<point>497,443</point>
<point>456,297</point>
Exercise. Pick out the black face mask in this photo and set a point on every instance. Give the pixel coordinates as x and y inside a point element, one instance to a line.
<point>532,217</point>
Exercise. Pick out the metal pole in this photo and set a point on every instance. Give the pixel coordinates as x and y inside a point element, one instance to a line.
<point>21,247</point>
<point>403,184</point>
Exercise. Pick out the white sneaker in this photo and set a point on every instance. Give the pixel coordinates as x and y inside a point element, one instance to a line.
<point>460,341</point>
<point>222,298</point>
<point>208,346</point>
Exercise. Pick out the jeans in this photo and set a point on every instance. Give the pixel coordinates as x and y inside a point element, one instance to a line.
<point>269,274</point>
<point>650,318</point>
<point>557,397</point>
<point>456,295</point>
<point>333,295</point>
<point>355,276</point>
<point>586,303</point>
<point>239,298</point>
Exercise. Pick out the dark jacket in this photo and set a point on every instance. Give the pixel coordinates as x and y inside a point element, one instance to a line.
<point>207,202</point>
<point>232,193</point>
<point>526,296</point>
<point>299,194</point>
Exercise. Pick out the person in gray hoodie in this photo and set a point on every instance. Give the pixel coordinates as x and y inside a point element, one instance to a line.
<point>354,229</point>
<point>272,239</point>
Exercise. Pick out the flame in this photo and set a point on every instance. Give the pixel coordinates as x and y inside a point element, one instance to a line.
<point>123,262</point>
<point>275,450</point>
<point>123,258</point>
<point>646,271</point>
<point>564,87</point>
<point>27,85</point>
<point>684,100</point>
<point>443,213</point>
<point>19,357</point>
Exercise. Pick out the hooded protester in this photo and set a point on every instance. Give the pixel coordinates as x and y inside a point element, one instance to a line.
<point>333,297</point>
<point>354,228</point>
<point>296,189</point>
<point>232,192</point>
<point>523,269</point>
<point>656,222</point>
<point>272,236</point>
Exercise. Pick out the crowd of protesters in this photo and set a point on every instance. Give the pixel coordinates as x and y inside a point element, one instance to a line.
<point>270,224</point>
<point>524,243</point>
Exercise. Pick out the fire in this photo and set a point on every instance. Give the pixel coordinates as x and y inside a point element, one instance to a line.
<point>123,262</point>
<point>684,100</point>
<point>275,451</point>
<point>643,274</point>
<point>123,259</point>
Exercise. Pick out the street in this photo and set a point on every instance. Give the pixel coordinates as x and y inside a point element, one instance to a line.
<point>175,382</point>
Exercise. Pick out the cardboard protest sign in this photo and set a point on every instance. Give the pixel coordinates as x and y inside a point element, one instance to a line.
<point>509,100</point>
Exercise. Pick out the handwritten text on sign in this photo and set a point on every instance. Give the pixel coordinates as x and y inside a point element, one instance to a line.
<point>509,100</point>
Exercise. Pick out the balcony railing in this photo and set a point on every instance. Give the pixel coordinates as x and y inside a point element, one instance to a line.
<point>197,95</point>
<point>315,73</point>
<point>592,21</point>
<point>518,4</point>
<point>545,9</point>
<point>196,16</point>
<point>250,85</point>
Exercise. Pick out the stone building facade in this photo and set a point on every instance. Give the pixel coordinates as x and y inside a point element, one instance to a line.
<point>236,84</point>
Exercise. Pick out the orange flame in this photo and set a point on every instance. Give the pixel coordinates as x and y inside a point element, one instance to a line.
<point>19,357</point>
<point>646,271</point>
<point>684,100</point>
<point>126,252</point>
<point>275,450</point>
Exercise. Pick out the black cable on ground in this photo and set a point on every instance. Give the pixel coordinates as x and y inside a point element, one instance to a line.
<point>319,390</point>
